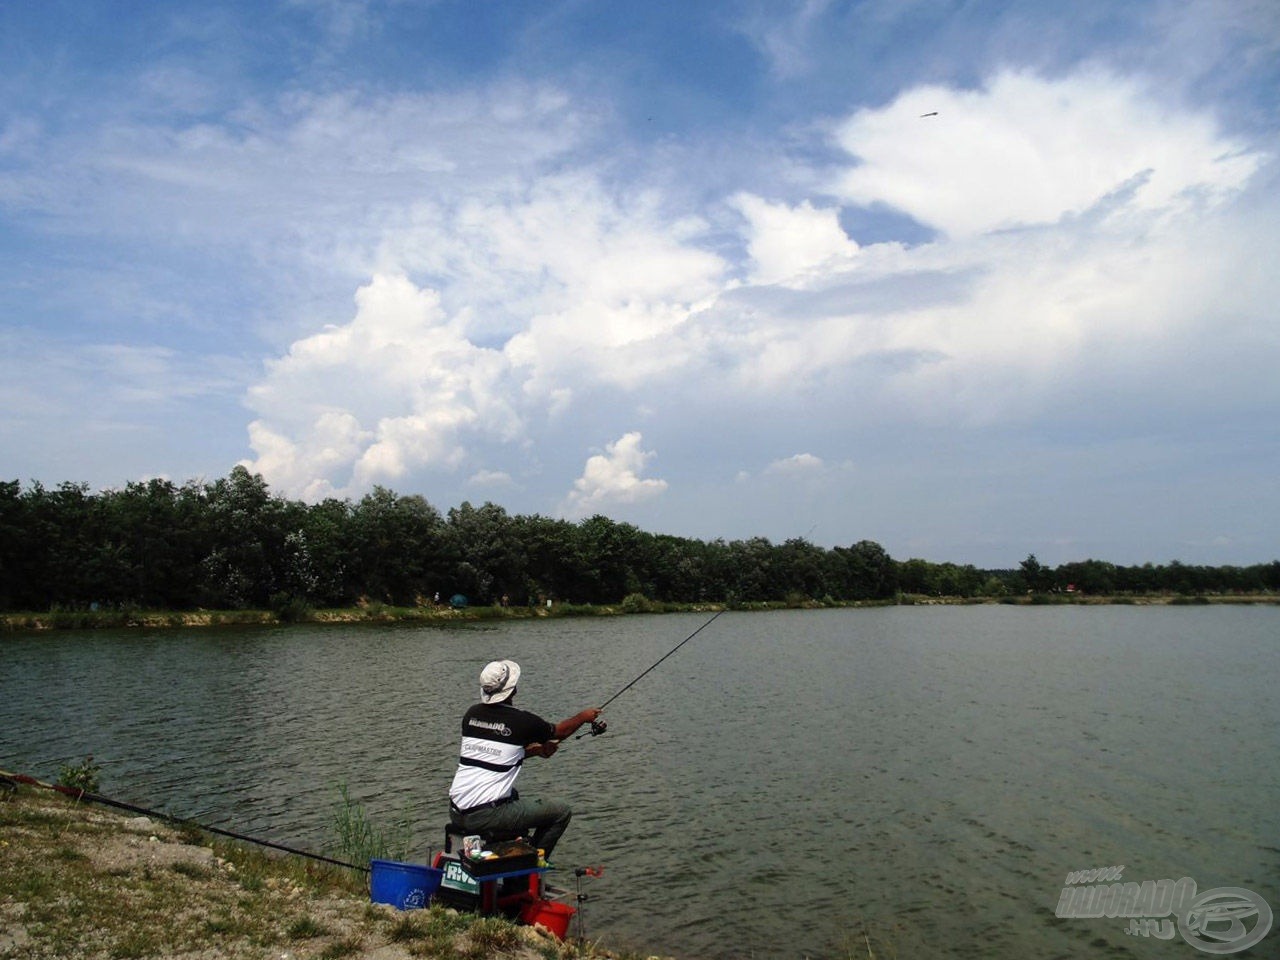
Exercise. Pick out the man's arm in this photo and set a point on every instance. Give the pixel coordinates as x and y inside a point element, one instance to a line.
<point>565,728</point>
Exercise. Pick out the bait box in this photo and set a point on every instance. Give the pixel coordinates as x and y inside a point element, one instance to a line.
<point>510,863</point>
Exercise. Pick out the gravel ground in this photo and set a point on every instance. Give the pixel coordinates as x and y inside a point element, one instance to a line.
<point>80,882</point>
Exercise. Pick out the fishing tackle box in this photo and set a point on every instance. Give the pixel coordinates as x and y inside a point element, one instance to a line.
<point>512,855</point>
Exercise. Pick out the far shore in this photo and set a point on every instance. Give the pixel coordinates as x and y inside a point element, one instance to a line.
<point>375,612</point>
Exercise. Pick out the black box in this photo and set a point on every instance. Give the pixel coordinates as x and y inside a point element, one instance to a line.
<point>511,856</point>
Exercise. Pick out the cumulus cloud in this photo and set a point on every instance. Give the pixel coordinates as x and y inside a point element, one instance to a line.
<point>618,279</point>
<point>395,389</point>
<point>1087,237</point>
<point>1026,150</point>
<point>613,478</point>
<point>788,244</point>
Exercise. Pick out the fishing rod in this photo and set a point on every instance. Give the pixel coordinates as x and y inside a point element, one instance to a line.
<point>78,794</point>
<point>599,726</point>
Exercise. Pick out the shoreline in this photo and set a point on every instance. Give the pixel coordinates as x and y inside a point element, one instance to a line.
<point>57,620</point>
<point>83,881</point>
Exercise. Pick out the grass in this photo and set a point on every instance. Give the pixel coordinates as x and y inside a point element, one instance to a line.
<point>359,840</point>
<point>77,881</point>
<point>306,928</point>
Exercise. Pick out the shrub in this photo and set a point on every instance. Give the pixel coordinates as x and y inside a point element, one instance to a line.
<point>637,603</point>
<point>291,609</point>
<point>80,776</point>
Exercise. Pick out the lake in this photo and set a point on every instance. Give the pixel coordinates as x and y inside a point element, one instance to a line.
<point>798,783</point>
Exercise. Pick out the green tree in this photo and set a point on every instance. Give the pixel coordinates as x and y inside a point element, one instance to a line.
<point>243,538</point>
<point>1035,577</point>
<point>15,586</point>
<point>491,557</point>
<point>551,558</point>
<point>801,569</point>
<point>869,572</point>
<point>400,547</point>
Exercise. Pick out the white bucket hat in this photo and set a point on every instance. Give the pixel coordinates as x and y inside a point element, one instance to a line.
<point>498,680</point>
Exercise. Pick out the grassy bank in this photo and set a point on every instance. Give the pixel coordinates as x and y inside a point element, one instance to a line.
<point>84,882</point>
<point>385,613</point>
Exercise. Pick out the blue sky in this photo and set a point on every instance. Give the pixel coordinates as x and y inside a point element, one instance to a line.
<point>973,280</point>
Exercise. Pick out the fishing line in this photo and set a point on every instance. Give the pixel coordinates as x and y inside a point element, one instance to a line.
<point>660,659</point>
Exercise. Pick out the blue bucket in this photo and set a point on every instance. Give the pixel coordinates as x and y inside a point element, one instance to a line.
<point>405,886</point>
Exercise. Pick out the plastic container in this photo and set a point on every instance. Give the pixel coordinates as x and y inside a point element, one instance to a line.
<point>405,886</point>
<point>554,916</point>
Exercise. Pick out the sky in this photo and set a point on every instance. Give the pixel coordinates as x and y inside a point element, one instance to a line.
<point>973,280</point>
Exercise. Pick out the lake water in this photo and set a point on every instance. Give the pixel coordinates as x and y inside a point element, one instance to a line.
<point>784,785</point>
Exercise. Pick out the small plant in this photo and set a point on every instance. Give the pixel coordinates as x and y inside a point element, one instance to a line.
<point>192,871</point>
<point>359,841</point>
<point>340,949</point>
<point>376,610</point>
<point>291,609</point>
<point>407,928</point>
<point>490,935</point>
<point>80,776</point>
<point>306,928</point>
<point>136,943</point>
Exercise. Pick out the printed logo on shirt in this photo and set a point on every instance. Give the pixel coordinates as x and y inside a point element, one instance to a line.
<point>496,726</point>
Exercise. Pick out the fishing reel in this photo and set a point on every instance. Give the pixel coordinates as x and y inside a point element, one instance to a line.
<point>597,727</point>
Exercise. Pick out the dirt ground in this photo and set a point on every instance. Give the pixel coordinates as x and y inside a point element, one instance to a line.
<point>82,882</point>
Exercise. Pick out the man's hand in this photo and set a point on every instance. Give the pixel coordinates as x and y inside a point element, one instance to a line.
<point>566,728</point>
<point>542,749</point>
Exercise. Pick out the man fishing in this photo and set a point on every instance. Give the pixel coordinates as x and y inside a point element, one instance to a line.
<point>496,737</point>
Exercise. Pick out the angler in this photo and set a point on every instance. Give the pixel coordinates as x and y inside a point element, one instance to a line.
<point>496,738</point>
<point>486,809</point>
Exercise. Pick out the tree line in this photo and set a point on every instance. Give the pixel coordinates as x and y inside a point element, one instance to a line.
<point>231,544</point>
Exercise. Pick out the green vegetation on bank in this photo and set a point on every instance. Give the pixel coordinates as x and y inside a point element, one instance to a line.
<point>383,613</point>
<point>230,551</point>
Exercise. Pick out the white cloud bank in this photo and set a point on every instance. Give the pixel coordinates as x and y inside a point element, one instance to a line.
<point>1088,246</point>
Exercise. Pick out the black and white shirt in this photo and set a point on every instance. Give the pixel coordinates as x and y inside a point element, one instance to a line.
<point>493,740</point>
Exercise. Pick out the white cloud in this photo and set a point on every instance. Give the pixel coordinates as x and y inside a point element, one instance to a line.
<point>1130,242</point>
<point>553,289</point>
<point>613,478</point>
<point>491,478</point>
<point>398,388</point>
<point>783,35</point>
<point>1024,150</point>
<point>800,464</point>
<point>788,244</point>
<point>618,278</point>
